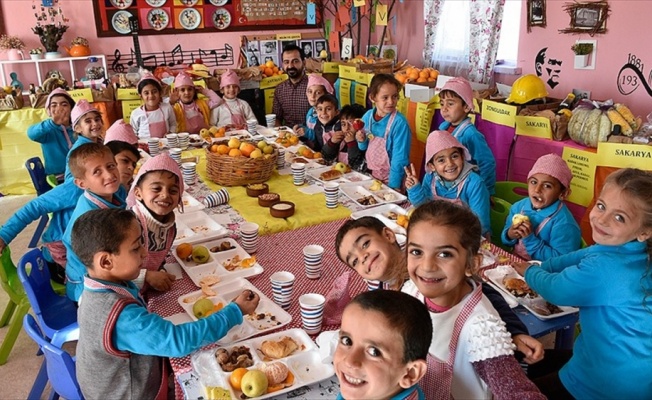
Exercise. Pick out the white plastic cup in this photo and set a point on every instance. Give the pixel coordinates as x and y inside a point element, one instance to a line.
<point>312,312</point>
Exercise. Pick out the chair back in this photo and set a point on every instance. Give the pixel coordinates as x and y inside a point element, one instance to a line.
<point>511,191</point>
<point>37,172</point>
<point>60,365</point>
<point>9,277</point>
<point>498,215</point>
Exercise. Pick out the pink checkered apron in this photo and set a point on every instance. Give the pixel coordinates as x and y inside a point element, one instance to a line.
<point>438,381</point>
<point>195,122</point>
<point>376,155</point>
<point>156,122</point>
<point>154,259</point>
<point>342,156</point>
<point>65,134</point>
<point>455,200</point>
<point>236,119</point>
<point>520,249</point>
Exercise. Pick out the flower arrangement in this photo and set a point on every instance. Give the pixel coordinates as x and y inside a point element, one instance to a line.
<point>582,49</point>
<point>36,50</point>
<point>11,42</point>
<point>50,25</point>
<point>79,41</point>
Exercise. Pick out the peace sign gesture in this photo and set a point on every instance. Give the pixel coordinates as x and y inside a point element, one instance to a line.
<point>411,178</point>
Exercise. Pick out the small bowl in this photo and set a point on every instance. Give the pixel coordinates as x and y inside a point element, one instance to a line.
<point>282,209</point>
<point>256,189</point>
<point>268,199</point>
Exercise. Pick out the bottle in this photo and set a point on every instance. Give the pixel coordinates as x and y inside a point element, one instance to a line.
<point>94,69</point>
<point>566,104</point>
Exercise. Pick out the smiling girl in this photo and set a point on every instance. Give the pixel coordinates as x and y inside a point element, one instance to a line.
<point>154,118</point>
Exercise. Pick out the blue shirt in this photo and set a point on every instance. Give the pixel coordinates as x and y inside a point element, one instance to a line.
<point>81,140</point>
<point>612,356</point>
<point>311,119</point>
<point>561,235</point>
<point>477,146</point>
<point>403,394</point>
<point>397,143</point>
<point>53,144</point>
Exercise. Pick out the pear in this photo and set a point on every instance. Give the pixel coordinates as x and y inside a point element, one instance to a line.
<point>200,254</point>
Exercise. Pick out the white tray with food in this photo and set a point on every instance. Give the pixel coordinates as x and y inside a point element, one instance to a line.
<point>190,204</point>
<point>215,261</point>
<point>195,227</point>
<point>268,316</point>
<point>505,278</point>
<point>288,360</point>
<point>392,215</point>
<point>371,193</point>
<point>340,174</point>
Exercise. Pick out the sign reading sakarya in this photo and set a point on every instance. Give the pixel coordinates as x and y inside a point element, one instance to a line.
<point>582,164</point>
<point>620,155</point>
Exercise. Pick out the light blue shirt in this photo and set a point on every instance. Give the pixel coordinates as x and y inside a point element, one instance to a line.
<point>53,144</point>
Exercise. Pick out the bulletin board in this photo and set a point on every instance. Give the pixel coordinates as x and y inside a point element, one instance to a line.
<point>165,17</point>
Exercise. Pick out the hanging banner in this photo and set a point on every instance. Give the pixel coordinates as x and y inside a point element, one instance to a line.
<point>347,48</point>
<point>381,14</point>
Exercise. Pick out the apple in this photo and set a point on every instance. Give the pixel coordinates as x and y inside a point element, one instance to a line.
<point>200,254</point>
<point>202,308</point>
<point>234,143</point>
<point>268,149</point>
<point>340,167</point>
<point>262,144</point>
<point>205,133</point>
<point>254,383</point>
<point>357,124</point>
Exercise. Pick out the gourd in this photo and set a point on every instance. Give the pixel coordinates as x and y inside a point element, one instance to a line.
<point>589,126</point>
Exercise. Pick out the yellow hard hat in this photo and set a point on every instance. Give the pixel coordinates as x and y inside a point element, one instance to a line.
<point>527,88</point>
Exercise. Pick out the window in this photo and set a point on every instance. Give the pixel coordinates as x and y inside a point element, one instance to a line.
<point>508,43</point>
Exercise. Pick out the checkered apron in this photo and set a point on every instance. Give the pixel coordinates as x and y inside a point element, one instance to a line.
<point>376,155</point>
<point>194,118</point>
<point>342,154</point>
<point>154,259</point>
<point>156,122</point>
<point>519,248</point>
<point>236,119</point>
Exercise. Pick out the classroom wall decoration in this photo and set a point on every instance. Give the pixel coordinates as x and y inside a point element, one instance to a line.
<point>177,57</point>
<point>188,16</point>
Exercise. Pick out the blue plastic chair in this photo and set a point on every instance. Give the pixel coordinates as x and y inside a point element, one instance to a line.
<point>60,366</point>
<point>37,173</point>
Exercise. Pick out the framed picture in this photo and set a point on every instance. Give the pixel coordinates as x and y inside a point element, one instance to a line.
<point>272,58</point>
<point>536,13</point>
<point>588,18</point>
<point>253,59</point>
<point>252,46</point>
<point>307,46</point>
<point>318,47</point>
<point>286,42</point>
<point>269,47</point>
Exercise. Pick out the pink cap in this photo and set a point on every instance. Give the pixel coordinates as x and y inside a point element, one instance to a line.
<point>553,165</point>
<point>162,162</point>
<point>229,78</point>
<point>183,79</point>
<point>82,108</point>
<point>121,132</point>
<point>58,92</point>
<point>314,79</point>
<point>148,76</point>
<point>463,89</point>
<point>442,140</point>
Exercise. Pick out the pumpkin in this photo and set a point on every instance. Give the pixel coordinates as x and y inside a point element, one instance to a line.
<point>588,127</point>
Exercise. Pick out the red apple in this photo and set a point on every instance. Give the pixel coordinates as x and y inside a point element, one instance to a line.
<point>357,124</point>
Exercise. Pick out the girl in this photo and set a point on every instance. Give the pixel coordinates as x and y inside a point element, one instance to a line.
<point>471,355</point>
<point>317,87</point>
<point>154,118</point>
<point>611,284</point>
<point>88,125</point>
<point>192,113</point>
<point>386,136</point>
<point>155,194</point>
<point>544,227</point>
<point>233,111</point>
<point>450,176</point>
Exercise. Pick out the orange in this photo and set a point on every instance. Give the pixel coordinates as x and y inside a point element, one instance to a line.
<point>422,79</point>
<point>270,64</point>
<point>317,155</point>
<point>223,149</point>
<point>268,71</point>
<point>235,153</point>
<point>294,140</point>
<point>236,377</point>
<point>274,68</point>
<point>184,250</point>
<point>414,75</point>
<point>213,148</point>
<point>434,74</point>
<point>424,74</point>
<point>401,78</point>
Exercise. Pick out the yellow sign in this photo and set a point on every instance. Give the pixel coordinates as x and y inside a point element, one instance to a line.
<point>476,106</point>
<point>436,100</point>
<point>620,155</point>
<point>358,3</point>
<point>348,72</point>
<point>533,126</point>
<point>269,100</point>
<point>331,68</point>
<point>128,94</point>
<point>79,94</point>
<point>402,104</point>
<point>423,119</point>
<point>381,14</point>
<point>288,36</point>
<point>582,164</point>
<point>361,95</point>
<point>363,77</point>
<point>127,107</point>
<point>345,92</point>
<point>498,113</point>
<point>273,81</point>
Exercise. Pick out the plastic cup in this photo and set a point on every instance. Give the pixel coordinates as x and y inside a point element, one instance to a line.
<point>249,237</point>
<point>271,120</point>
<point>282,287</point>
<point>298,173</point>
<point>312,312</point>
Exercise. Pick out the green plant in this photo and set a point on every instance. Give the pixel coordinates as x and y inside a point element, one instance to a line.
<point>11,42</point>
<point>582,49</point>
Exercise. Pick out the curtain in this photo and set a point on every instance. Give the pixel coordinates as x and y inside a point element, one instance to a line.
<point>461,37</point>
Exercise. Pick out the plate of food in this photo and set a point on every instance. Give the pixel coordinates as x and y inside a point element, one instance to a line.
<point>505,278</point>
<point>197,226</point>
<point>121,4</point>
<point>221,18</point>
<point>155,3</point>
<point>288,359</point>
<point>215,261</point>
<point>190,204</point>
<point>190,18</point>
<point>189,3</point>
<point>371,192</point>
<point>158,19</point>
<point>219,3</point>
<point>393,216</point>
<point>120,22</point>
<point>339,172</point>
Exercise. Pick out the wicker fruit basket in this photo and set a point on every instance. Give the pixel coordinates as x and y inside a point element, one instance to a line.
<point>236,171</point>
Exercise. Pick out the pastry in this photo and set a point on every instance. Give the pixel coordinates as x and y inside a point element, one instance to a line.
<point>279,349</point>
<point>518,287</point>
<point>330,175</point>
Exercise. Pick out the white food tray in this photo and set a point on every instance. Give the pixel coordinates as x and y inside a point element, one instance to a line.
<point>215,265</point>
<point>355,191</point>
<point>195,227</point>
<point>383,212</point>
<point>498,274</point>
<point>190,204</point>
<point>225,293</point>
<point>305,363</point>
<point>349,177</point>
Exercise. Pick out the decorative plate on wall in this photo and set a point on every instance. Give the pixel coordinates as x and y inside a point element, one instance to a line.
<point>219,2</point>
<point>221,18</point>
<point>121,4</point>
<point>155,3</point>
<point>158,19</point>
<point>190,18</point>
<point>189,3</point>
<point>120,22</point>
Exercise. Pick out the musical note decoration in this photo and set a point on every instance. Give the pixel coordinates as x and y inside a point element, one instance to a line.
<point>177,57</point>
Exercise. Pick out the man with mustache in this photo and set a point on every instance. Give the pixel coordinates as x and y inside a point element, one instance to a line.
<point>290,100</point>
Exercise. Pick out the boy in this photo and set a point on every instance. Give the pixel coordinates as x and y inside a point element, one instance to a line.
<point>383,346</point>
<point>370,248</point>
<point>541,226</point>
<point>121,345</point>
<point>122,141</point>
<point>87,123</point>
<point>349,153</point>
<point>456,100</point>
<point>95,172</point>
<point>328,123</point>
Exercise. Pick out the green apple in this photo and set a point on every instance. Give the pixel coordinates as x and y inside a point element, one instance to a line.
<point>202,308</point>
<point>254,383</point>
<point>268,149</point>
<point>256,154</point>
<point>200,254</point>
<point>262,144</point>
<point>340,167</point>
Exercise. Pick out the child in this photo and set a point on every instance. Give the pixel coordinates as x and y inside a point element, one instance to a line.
<point>471,355</point>
<point>95,172</point>
<point>382,348</point>
<point>192,113</point>
<point>154,118</point>
<point>610,283</point>
<point>122,141</point>
<point>89,126</point>
<point>328,123</point>
<point>122,345</point>
<point>545,227</point>
<point>317,87</point>
<point>155,194</point>
<point>55,134</point>
<point>343,142</point>
<point>450,176</point>
<point>456,101</point>
<point>233,111</point>
<point>370,248</point>
<point>386,136</point>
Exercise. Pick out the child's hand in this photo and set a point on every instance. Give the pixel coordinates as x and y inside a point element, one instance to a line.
<point>360,136</point>
<point>411,178</point>
<point>521,267</point>
<point>298,130</point>
<point>520,231</point>
<point>337,137</point>
<point>247,301</point>
<point>349,136</point>
<point>60,116</point>
<point>174,96</point>
<point>530,347</point>
<point>159,280</point>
